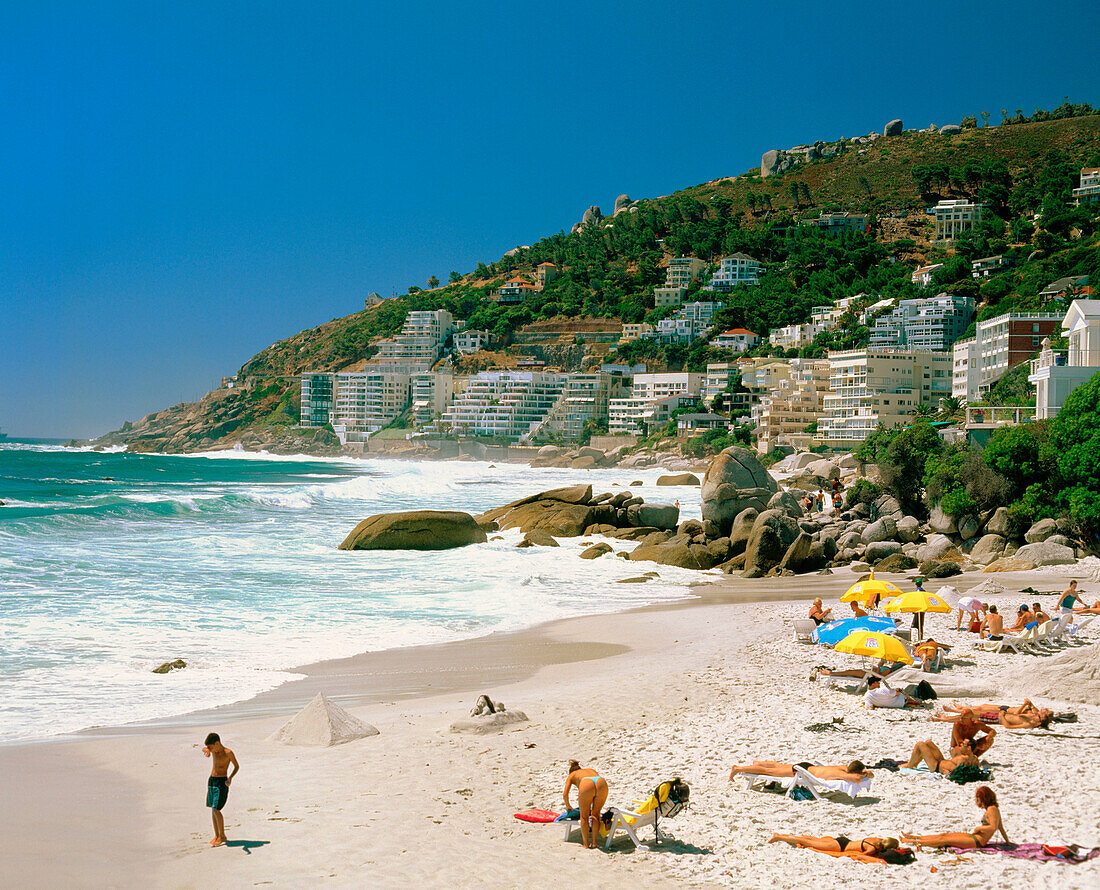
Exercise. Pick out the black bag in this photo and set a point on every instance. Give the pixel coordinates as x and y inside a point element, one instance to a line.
<point>925,692</point>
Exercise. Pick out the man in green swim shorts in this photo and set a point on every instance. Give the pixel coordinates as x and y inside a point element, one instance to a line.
<point>217,786</point>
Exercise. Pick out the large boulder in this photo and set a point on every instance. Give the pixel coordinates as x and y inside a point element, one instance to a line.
<point>884,529</point>
<point>936,568</point>
<point>596,551</point>
<point>893,128</point>
<point>896,562</point>
<point>772,533</point>
<point>538,537</point>
<point>681,554</point>
<point>549,451</point>
<point>735,481</point>
<point>878,550</point>
<point>663,516</point>
<point>969,526</point>
<point>1010,564</point>
<point>886,505</point>
<point>592,214</point>
<point>415,530</point>
<point>564,512</point>
<point>823,469</point>
<point>950,129</point>
<point>1046,553</point>
<point>741,529</point>
<point>678,479</point>
<point>988,549</point>
<point>935,547</point>
<point>622,203</point>
<point>942,523</point>
<point>1041,530</point>
<point>798,555</point>
<point>908,529</point>
<point>787,502</point>
<point>1000,523</point>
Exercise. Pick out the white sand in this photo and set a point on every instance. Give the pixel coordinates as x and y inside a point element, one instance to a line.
<point>702,688</point>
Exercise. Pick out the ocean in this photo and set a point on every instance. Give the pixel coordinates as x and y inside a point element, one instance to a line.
<point>113,563</point>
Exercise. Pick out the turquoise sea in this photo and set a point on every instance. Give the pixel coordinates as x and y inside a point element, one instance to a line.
<point>112,563</point>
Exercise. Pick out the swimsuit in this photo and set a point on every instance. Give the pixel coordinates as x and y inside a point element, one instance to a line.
<point>842,842</point>
<point>595,781</point>
<point>217,792</point>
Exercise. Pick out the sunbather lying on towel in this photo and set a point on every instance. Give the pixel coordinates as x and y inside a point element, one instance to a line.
<point>927,751</point>
<point>1029,719</point>
<point>1094,609</point>
<point>884,668</point>
<point>1026,708</point>
<point>869,846</point>
<point>986,800</point>
<point>853,772</point>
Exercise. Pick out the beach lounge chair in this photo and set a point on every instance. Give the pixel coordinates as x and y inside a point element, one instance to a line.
<point>1074,630</point>
<point>1059,630</point>
<point>804,630</point>
<point>819,788</point>
<point>628,821</point>
<point>1020,643</point>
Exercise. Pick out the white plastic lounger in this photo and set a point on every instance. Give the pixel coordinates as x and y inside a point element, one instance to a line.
<point>819,788</point>
<point>804,630</point>
<point>1074,630</point>
<point>630,822</point>
<point>1019,643</point>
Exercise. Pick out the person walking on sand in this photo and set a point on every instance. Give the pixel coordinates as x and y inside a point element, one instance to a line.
<point>591,796</point>
<point>986,799</point>
<point>217,786</point>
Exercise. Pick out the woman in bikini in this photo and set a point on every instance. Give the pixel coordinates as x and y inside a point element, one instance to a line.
<point>852,772</point>
<point>591,796</point>
<point>869,846</point>
<point>961,755</point>
<point>986,800</point>
<point>1036,718</point>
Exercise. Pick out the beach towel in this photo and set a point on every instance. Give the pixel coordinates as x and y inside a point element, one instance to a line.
<point>1072,853</point>
<point>537,816</point>
<point>903,854</point>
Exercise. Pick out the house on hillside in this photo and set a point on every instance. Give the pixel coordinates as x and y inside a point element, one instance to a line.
<point>1064,287</point>
<point>516,290</point>
<point>955,217</point>
<point>689,424</point>
<point>922,277</point>
<point>733,271</point>
<point>1057,374</point>
<point>989,265</point>
<point>1089,190</point>
<point>547,272</point>
<point>831,223</point>
<point>736,339</point>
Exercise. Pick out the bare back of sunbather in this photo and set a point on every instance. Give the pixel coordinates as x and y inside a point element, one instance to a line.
<point>853,772</point>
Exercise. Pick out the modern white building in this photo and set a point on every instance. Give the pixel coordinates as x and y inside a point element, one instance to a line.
<point>933,324</point>
<point>419,344</point>
<point>955,217</point>
<point>584,397</point>
<point>368,400</point>
<point>718,378</point>
<point>733,271</point>
<point>650,401</point>
<point>869,388</point>
<point>796,402</point>
<point>432,392</point>
<point>988,265</point>
<point>470,341</point>
<point>1057,374</point>
<point>999,344</point>
<point>502,404</point>
<point>692,321</point>
<point>318,398</point>
<point>922,277</point>
<point>735,339</point>
<point>795,336</point>
<point>1089,190</point>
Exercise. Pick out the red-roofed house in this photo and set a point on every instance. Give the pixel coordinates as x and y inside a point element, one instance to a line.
<point>516,290</point>
<point>736,339</point>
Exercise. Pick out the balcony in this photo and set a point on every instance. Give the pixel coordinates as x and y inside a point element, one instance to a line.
<point>1048,359</point>
<point>989,417</point>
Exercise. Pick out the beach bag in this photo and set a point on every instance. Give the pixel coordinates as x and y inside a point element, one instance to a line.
<point>975,626</point>
<point>898,856</point>
<point>800,793</point>
<point>925,692</point>
<point>672,796</point>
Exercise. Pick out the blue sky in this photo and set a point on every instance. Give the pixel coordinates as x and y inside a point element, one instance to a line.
<point>184,184</point>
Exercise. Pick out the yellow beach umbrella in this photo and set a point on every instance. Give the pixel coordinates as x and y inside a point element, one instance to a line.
<point>866,591</point>
<point>874,645</point>
<point>918,601</point>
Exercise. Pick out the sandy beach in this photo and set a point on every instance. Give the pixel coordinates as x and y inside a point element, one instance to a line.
<point>676,690</point>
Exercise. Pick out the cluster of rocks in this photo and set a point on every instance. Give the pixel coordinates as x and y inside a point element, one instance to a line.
<point>623,204</point>
<point>583,458</point>
<point>778,161</point>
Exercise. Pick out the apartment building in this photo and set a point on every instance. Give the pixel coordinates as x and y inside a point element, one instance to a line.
<point>419,344</point>
<point>955,217</point>
<point>1089,189</point>
<point>470,341</point>
<point>795,402</point>
<point>832,223</point>
<point>1064,287</point>
<point>988,265</point>
<point>639,331</point>
<point>584,397</point>
<point>795,336</point>
<point>736,340</point>
<point>432,393</point>
<point>922,277</point>
<point>828,317</point>
<point>932,324</point>
<point>998,344</point>
<point>1057,374</point>
<point>368,400</point>
<point>318,399</point>
<point>683,270</point>
<point>718,377</point>
<point>692,321</point>
<point>502,404</point>
<point>733,271</point>
<point>869,388</point>
<point>650,400</point>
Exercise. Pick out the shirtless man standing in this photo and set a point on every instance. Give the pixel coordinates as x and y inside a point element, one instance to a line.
<point>217,787</point>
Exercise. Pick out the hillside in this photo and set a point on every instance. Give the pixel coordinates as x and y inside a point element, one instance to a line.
<point>611,265</point>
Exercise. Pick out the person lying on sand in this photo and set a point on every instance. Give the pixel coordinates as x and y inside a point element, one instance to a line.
<point>591,796</point>
<point>869,846</point>
<point>879,696</point>
<point>1039,719</point>
<point>217,786</point>
<point>884,668</point>
<point>1094,609</point>
<point>932,756</point>
<point>1026,708</point>
<point>853,772</point>
<point>986,800</point>
<point>966,729</point>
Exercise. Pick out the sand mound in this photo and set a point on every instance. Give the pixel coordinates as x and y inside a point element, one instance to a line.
<point>488,722</point>
<point>989,587</point>
<point>1072,676</point>
<point>1087,569</point>
<point>322,723</point>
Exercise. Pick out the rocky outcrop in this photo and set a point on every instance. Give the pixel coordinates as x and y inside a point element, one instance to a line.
<point>943,523</point>
<point>735,481</point>
<point>596,551</point>
<point>897,562</point>
<point>935,547</point>
<point>883,529</point>
<point>1040,531</point>
<point>988,549</point>
<point>894,128</point>
<point>415,530</point>
<point>678,479</point>
<point>908,529</point>
<point>538,537</point>
<point>772,533</point>
<point>778,161</point>
<point>1010,564</point>
<point>663,516</point>
<point>935,568</point>
<point>950,129</point>
<point>1000,523</point>
<point>1046,553</point>
<point>178,665</point>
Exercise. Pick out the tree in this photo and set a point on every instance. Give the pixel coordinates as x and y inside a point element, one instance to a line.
<point>433,282</point>
<point>792,189</point>
<point>751,198</point>
<point>985,118</point>
<point>454,277</point>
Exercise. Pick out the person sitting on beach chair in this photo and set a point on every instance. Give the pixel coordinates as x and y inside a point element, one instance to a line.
<point>993,625</point>
<point>930,654</point>
<point>986,800</point>
<point>854,772</point>
<point>928,752</point>
<point>819,614</point>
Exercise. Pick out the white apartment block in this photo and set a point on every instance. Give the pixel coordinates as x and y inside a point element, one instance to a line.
<point>682,270</point>
<point>419,344</point>
<point>998,344</point>
<point>735,339</point>
<point>795,403</point>
<point>584,397</point>
<point>368,400</point>
<point>668,296</point>
<point>318,398</point>
<point>922,277</point>
<point>876,309</point>
<point>647,403</point>
<point>1089,190</point>
<point>467,342</point>
<point>502,404</point>
<point>869,388</point>
<point>691,322</point>
<point>795,336</point>
<point>955,217</point>
<point>639,331</point>
<point>432,392</point>
<point>1057,374</point>
<point>718,377</point>
<point>734,271</point>
<point>826,316</point>
<point>927,324</point>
